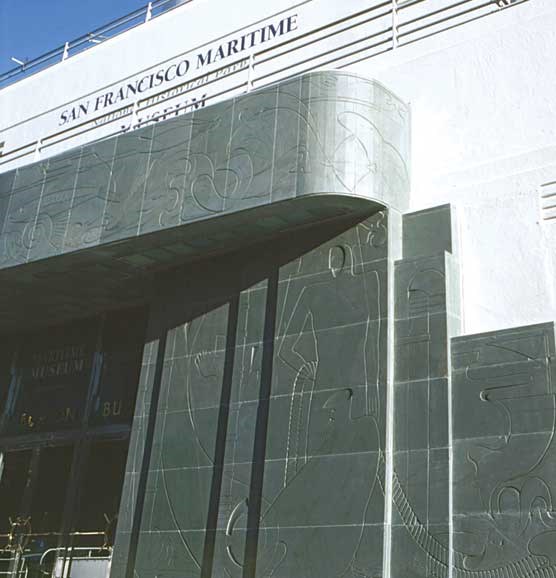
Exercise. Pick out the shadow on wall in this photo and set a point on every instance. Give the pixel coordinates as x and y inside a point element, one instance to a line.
<point>264,413</point>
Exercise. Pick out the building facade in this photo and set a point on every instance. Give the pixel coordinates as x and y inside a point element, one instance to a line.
<point>276,295</point>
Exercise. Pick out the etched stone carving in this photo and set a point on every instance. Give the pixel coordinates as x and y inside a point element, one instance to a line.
<point>289,462</point>
<point>307,406</point>
<point>271,145</point>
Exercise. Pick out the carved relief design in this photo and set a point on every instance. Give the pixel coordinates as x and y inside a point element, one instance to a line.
<point>323,463</point>
<point>504,413</point>
<point>53,211</point>
<point>165,185</point>
<point>420,500</point>
<point>505,471</point>
<point>21,214</point>
<point>128,176</point>
<point>89,199</point>
<point>307,136</point>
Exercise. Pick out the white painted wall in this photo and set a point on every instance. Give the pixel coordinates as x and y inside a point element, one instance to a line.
<point>483,100</point>
<point>484,138</point>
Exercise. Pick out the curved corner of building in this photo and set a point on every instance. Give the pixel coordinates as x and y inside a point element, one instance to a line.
<point>308,148</point>
<point>356,134</point>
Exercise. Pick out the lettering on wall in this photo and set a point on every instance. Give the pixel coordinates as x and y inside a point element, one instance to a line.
<point>67,360</point>
<point>179,69</point>
<point>66,415</point>
<point>112,408</point>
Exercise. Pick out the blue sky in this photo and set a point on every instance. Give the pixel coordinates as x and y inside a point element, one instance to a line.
<point>29,28</point>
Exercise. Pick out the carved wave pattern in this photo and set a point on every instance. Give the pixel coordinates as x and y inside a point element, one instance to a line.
<point>259,148</point>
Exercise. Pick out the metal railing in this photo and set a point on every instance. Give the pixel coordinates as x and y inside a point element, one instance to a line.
<point>25,553</point>
<point>72,552</point>
<point>383,26</point>
<point>143,15</point>
<point>75,558</point>
<point>13,565</point>
<point>89,40</point>
<point>38,555</point>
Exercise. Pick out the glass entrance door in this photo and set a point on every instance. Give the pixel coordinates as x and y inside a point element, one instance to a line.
<point>14,479</point>
<point>67,396</point>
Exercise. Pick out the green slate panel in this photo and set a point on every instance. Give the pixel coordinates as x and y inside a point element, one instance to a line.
<point>325,134</point>
<point>126,189</point>
<point>21,215</point>
<point>56,199</point>
<point>504,471</point>
<point>269,428</point>
<point>429,231</point>
<point>6,184</point>
<point>421,402</point>
<point>91,190</point>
